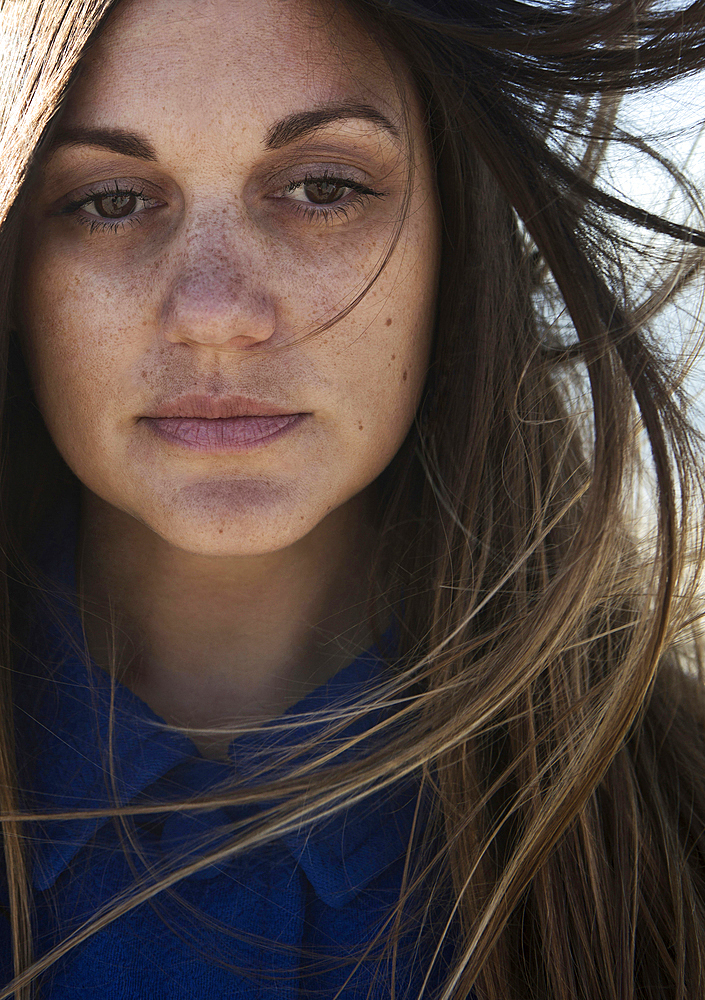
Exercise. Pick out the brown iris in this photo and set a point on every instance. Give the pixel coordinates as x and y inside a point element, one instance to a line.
<point>115,206</point>
<point>322,192</point>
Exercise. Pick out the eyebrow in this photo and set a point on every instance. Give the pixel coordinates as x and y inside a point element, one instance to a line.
<point>117,140</point>
<point>294,126</point>
<point>303,123</point>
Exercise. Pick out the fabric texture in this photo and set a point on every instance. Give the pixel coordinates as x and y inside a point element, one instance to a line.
<point>292,917</point>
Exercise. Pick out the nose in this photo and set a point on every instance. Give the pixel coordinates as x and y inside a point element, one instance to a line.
<point>216,300</point>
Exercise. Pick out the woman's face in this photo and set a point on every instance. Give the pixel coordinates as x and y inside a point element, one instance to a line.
<point>226,177</point>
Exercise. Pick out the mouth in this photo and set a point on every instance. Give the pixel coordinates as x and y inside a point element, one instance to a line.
<point>205,407</point>
<point>214,424</point>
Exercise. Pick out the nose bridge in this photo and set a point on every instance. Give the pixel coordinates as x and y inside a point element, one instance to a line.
<point>217,293</point>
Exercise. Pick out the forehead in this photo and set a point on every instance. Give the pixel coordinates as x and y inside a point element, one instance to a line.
<point>231,63</point>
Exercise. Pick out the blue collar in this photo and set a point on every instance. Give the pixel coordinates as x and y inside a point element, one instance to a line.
<point>62,705</point>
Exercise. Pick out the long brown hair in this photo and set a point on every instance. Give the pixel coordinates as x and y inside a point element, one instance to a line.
<point>549,703</point>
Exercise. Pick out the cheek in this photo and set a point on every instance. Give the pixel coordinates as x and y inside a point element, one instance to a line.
<point>385,360</point>
<point>392,378</point>
<point>401,311</point>
<point>74,341</point>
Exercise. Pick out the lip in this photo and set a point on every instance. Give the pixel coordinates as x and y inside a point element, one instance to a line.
<point>202,406</point>
<point>223,434</point>
<point>218,424</point>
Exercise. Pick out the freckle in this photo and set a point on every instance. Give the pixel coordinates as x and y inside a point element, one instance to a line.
<point>393,357</point>
<point>220,531</point>
<point>389,321</point>
<point>360,427</point>
<point>404,375</point>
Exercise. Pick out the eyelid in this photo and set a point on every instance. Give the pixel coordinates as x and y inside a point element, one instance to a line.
<point>361,188</point>
<point>277,180</point>
<point>80,196</point>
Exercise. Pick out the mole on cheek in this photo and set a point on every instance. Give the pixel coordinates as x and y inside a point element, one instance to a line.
<point>404,375</point>
<point>389,321</point>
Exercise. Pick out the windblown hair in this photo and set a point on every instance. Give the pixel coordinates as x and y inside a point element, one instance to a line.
<point>549,701</point>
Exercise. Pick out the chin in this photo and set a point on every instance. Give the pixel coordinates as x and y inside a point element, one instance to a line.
<point>233,542</point>
<point>229,520</point>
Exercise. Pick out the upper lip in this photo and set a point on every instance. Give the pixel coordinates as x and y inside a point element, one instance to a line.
<point>205,407</point>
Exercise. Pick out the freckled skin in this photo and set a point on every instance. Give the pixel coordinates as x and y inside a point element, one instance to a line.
<point>213,288</point>
<point>204,297</point>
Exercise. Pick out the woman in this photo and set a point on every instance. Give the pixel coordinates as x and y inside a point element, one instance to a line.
<point>333,667</point>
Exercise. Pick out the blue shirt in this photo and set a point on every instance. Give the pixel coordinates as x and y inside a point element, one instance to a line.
<point>289,916</point>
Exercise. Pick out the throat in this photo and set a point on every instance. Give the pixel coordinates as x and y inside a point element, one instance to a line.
<point>197,685</point>
<point>219,642</point>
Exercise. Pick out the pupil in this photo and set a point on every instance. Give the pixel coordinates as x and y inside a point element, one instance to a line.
<point>115,206</point>
<point>323,192</point>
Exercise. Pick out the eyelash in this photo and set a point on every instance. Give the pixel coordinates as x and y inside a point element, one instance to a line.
<point>325,213</point>
<point>99,224</point>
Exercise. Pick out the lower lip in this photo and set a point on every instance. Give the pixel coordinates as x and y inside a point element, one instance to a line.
<point>225,434</point>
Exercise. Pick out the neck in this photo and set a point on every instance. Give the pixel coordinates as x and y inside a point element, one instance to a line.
<point>213,641</point>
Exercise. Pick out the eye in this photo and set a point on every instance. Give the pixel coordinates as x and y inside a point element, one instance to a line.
<point>328,197</point>
<point>117,205</point>
<point>321,190</point>
<point>111,207</point>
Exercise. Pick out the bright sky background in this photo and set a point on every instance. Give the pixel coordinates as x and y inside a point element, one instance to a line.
<point>672,119</point>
